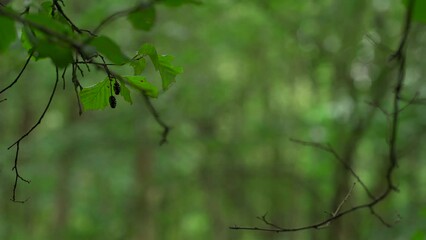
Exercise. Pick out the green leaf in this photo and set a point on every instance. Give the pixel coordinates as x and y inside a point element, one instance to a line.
<point>141,84</point>
<point>125,93</point>
<point>419,11</point>
<point>109,49</point>
<point>138,66</point>
<point>46,7</point>
<point>96,97</point>
<point>168,72</point>
<point>143,19</point>
<point>49,23</point>
<point>163,64</point>
<point>176,3</point>
<point>28,39</point>
<point>7,33</point>
<point>149,50</point>
<point>60,56</point>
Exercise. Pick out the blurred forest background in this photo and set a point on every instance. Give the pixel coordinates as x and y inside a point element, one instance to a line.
<point>257,73</point>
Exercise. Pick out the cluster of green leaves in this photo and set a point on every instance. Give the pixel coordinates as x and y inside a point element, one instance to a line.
<point>45,33</point>
<point>96,96</point>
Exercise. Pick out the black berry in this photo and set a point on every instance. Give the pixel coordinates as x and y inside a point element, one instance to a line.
<point>112,102</point>
<point>117,88</point>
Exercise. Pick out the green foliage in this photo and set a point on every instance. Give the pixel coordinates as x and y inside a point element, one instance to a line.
<point>163,64</point>
<point>97,96</point>
<point>248,88</point>
<point>168,71</point>
<point>419,11</point>
<point>138,66</point>
<point>143,19</point>
<point>140,83</point>
<point>125,93</point>
<point>7,33</point>
<point>42,44</point>
<point>109,49</point>
<point>28,38</point>
<point>48,34</point>
<point>60,56</point>
<point>49,23</point>
<point>176,3</point>
<point>149,50</point>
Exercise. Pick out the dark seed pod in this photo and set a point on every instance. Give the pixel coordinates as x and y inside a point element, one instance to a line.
<point>117,88</point>
<point>112,102</point>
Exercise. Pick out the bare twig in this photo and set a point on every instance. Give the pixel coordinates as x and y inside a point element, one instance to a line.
<point>41,28</point>
<point>156,115</point>
<point>340,205</point>
<point>17,177</point>
<point>380,45</point>
<point>399,56</point>
<point>376,105</point>
<point>329,149</point>
<point>122,13</point>
<point>19,75</point>
<point>373,212</point>
<point>58,7</point>
<point>77,86</point>
<point>15,167</point>
<point>410,102</point>
<point>42,115</point>
<point>63,77</point>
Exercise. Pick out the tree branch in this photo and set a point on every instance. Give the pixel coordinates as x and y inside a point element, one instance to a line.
<point>19,75</point>
<point>122,13</point>
<point>400,57</point>
<point>156,115</point>
<point>329,149</point>
<point>17,143</point>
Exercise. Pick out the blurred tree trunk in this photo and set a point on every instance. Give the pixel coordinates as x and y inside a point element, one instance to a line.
<point>343,228</point>
<point>63,195</point>
<point>28,120</point>
<point>5,193</point>
<point>347,227</point>
<point>211,180</point>
<point>145,202</point>
<point>64,165</point>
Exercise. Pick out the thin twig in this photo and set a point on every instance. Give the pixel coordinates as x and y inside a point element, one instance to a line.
<point>17,177</point>
<point>77,86</point>
<point>58,7</point>
<point>122,13</point>
<point>400,57</point>
<point>340,205</point>
<point>76,45</point>
<point>156,115</point>
<point>380,218</point>
<point>19,75</point>
<point>329,149</point>
<point>63,77</point>
<point>42,115</point>
<point>17,143</point>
